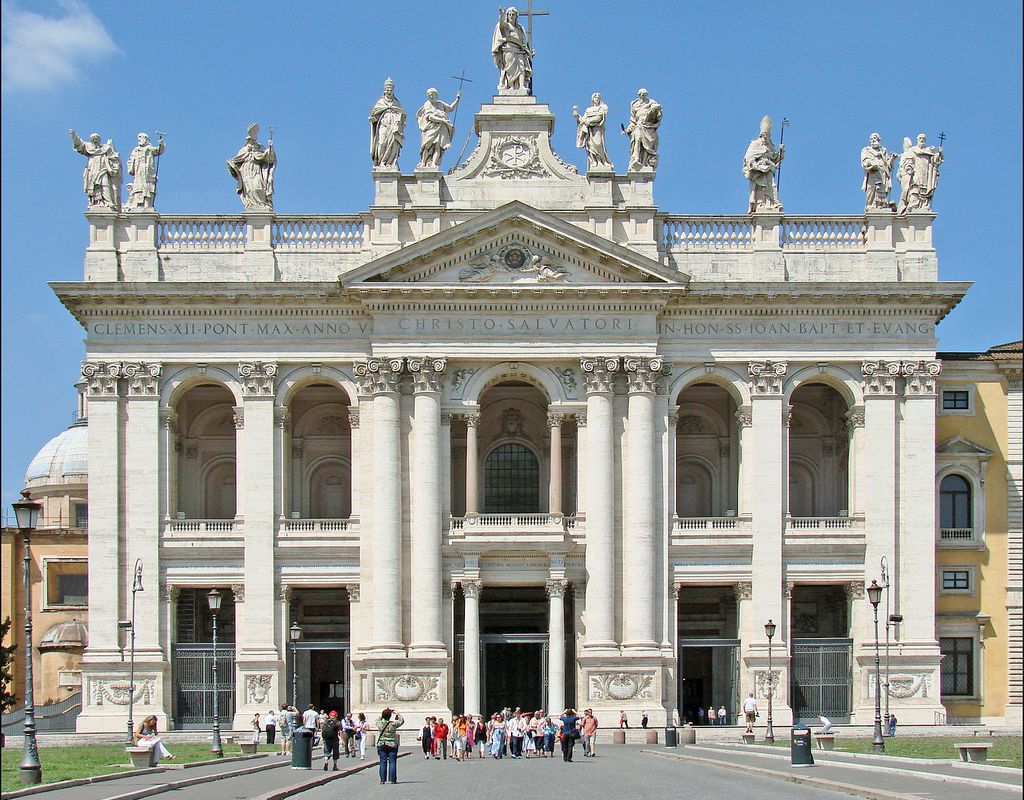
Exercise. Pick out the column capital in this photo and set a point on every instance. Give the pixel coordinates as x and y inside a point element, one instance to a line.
<point>284,592</point>
<point>854,418</point>
<point>787,416</point>
<point>238,417</point>
<point>257,378</point>
<point>744,416</point>
<point>581,419</point>
<point>879,377</point>
<point>171,592</point>
<point>556,418</point>
<point>646,375</point>
<point>920,377</point>
<point>426,372</point>
<point>238,590</point>
<point>353,416</point>
<point>556,587</point>
<point>472,419</point>
<point>744,590</point>
<point>379,375</point>
<point>143,378</point>
<point>598,373</point>
<point>353,592</point>
<point>102,378</point>
<point>766,377</point>
<point>169,419</point>
<point>282,417</point>
<point>854,590</point>
<point>472,588</point>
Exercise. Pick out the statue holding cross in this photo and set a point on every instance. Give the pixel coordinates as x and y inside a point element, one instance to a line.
<point>513,54</point>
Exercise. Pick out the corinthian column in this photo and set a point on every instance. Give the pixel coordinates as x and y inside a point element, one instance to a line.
<point>471,647</point>
<point>639,554</point>
<point>555,478</point>
<point>379,378</point>
<point>425,504</point>
<point>472,458</point>
<point>598,487</point>
<point>556,645</point>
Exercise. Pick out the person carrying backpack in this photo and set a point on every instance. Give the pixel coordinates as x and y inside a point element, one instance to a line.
<point>330,732</point>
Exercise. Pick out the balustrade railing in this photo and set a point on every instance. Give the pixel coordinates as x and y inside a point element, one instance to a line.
<point>825,523</point>
<point>198,233</point>
<point>825,234</point>
<point>319,525</point>
<point>710,523</point>
<point>708,234</point>
<point>956,534</point>
<point>513,522</point>
<point>203,525</point>
<point>318,233</point>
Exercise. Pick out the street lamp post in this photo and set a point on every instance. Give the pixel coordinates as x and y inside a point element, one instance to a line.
<point>30,771</point>
<point>877,742</point>
<point>769,631</point>
<point>294,634</point>
<point>215,746</point>
<point>885,585</point>
<point>136,587</point>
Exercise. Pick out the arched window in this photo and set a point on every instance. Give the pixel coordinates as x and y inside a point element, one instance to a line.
<point>511,481</point>
<point>955,503</point>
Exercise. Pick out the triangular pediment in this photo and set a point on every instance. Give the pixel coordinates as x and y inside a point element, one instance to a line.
<point>962,446</point>
<point>515,245</point>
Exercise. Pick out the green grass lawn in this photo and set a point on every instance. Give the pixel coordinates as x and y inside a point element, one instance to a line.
<point>1006,750</point>
<point>65,763</point>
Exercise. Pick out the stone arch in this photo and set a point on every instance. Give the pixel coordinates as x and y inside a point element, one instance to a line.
<point>691,408</point>
<point>295,379</point>
<point>846,385</point>
<point>725,377</point>
<point>539,377</point>
<point>179,382</point>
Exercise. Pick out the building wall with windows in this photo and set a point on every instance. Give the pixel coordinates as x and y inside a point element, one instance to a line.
<point>977,610</point>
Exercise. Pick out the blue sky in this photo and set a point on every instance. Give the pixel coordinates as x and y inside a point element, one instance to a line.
<point>202,71</point>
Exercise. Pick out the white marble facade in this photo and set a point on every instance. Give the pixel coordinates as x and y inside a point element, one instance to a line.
<point>725,419</point>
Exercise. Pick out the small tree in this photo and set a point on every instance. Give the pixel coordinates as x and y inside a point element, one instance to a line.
<point>6,667</point>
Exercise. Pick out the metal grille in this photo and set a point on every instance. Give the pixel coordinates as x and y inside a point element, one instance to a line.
<point>822,682</point>
<point>511,481</point>
<point>192,670</point>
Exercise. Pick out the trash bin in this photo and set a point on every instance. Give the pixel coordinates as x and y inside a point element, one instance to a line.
<point>688,735</point>
<point>800,747</point>
<point>670,736</point>
<point>302,748</point>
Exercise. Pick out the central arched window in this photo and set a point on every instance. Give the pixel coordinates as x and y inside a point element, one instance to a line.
<point>511,481</point>
<point>954,503</point>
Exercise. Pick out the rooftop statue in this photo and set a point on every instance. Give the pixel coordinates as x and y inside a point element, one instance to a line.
<point>590,132</point>
<point>101,180</point>
<point>760,163</point>
<point>387,128</point>
<point>142,166</point>
<point>512,54</point>
<point>436,129</point>
<point>919,175</point>
<point>644,118</point>
<point>877,163</point>
<point>253,170</point>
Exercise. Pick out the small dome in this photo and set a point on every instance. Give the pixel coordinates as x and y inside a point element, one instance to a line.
<point>63,459</point>
<point>65,635</point>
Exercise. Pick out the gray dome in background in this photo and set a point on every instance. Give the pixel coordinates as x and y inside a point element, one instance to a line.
<point>63,459</point>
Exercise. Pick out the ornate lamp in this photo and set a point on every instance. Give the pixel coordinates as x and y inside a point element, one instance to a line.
<point>214,598</point>
<point>874,592</point>
<point>26,511</point>
<point>769,631</point>
<point>294,634</point>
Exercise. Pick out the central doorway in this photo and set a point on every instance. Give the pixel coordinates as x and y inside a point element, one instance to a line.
<point>513,669</point>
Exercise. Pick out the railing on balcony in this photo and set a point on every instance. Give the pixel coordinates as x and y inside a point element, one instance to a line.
<point>710,523</point>
<point>823,234</point>
<point>825,523</point>
<point>319,525</point>
<point>708,234</point>
<point>956,534</point>
<point>203,525</point>
<point>515,522</point>
<point>324,233</point>
<point>200,233</point>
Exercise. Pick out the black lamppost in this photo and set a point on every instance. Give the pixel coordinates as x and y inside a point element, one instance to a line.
<point>136,587</point>
<point>30,771</point>
<point>769,631</point>
<point>891,620</point>
<point>215,746</point>
<point>877,742</point>
<point>294,634</point>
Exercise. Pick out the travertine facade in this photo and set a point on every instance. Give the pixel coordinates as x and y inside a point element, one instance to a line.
<point>513,421</point>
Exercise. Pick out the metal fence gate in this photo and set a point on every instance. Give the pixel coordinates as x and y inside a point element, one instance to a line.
<point>822,679</point>
<point>192,673</point>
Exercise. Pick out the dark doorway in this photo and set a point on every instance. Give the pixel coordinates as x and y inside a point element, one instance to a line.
<point>327,671</point>
<point>514,675</point>
<point>709,673</point>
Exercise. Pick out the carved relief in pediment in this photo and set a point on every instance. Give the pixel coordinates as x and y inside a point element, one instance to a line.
<point>516,263</point>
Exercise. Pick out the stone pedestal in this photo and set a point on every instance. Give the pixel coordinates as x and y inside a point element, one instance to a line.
<point>139,262</point>
<point>106,230</point>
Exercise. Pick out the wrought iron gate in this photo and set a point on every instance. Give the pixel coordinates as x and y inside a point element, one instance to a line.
<point>822,679</point>
<point>192,674</point>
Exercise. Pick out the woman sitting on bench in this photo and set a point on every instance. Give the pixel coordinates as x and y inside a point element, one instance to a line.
<point>146,737</point>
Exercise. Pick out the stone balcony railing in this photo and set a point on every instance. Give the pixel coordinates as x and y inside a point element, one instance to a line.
<point>184,532</point>
<point>297,532</point>
<point>319,525</point>
<point>844,523</point>
<point>732,523</point>
<point>515,528</point>
<point>203,525</point>
<point>958,537</point>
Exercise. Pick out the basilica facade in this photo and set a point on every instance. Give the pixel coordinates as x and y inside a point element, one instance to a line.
<point>514,435</point>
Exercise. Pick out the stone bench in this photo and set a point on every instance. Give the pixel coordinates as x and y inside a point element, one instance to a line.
<point>618,737</point>
<point>248,748</point>
<point>142,757</point>
<point>748,738</point>
<point>651,737</point>
<point>973,752</point>
<point>826,741</point>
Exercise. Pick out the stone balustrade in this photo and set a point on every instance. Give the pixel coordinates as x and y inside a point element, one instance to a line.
<point>824,523</point>
<point>321,233</point>
<point>823,234</point>
<point>682,524</point>
<point>320,525</point>
<point>203,525</point>
<point>201,233</point>
<point>956,534</point>
<point>702,234</point>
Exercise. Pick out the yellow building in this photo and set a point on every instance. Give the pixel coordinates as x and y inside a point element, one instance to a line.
<point>978,541</point>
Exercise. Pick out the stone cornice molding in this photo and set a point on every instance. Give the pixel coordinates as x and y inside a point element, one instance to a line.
<point>920,377</point>
<point>426,372</point>
<point>143,378</point>
<point>102,378</point>
<point>766,377</point>
<point>472,588</point>
<point>598,374</point>
<point>257,378</point>
<point>379,375</point>
<point>646,375</point>
<point>879,377</point>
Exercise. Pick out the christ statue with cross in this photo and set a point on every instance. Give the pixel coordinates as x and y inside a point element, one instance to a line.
<point>512,50</point>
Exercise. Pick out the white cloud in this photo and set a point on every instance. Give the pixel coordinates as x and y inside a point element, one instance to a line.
<point>41,52</point>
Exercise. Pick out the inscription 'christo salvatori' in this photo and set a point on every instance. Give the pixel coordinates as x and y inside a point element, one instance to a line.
<point>825,329</point>
<point>148,330</point>
<point>517,324</point>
